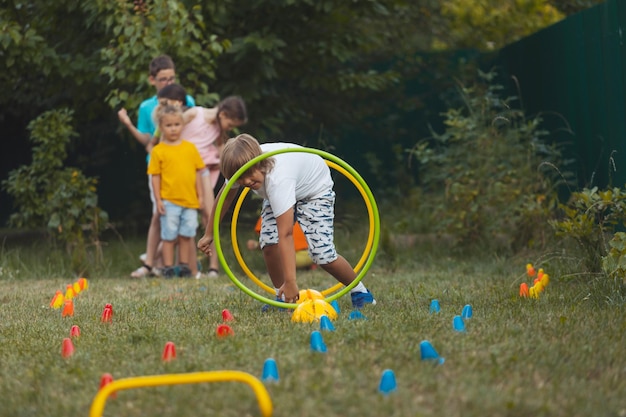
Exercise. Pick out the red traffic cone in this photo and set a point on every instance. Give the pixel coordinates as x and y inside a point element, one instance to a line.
<point>106,380</point>
<point>75,331</point>
<point>169,352</point>
<point>224,330</point>
<point>107,314</point>
<point>67,348</point>
<point>227,316</point>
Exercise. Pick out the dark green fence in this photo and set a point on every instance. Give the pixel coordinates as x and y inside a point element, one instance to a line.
<point>573,74</point>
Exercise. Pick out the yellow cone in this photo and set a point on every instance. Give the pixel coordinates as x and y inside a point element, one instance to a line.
<point>312,310</point>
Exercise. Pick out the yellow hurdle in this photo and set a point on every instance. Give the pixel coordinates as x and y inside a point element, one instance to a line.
<point>265,403</point>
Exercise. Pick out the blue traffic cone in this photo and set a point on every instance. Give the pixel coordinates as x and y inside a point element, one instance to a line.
<point>467,311</point>
<point>270,371</point>
<point>356,315</point>
<point>326,324</point>
<point>434,306</point>
<point>428,352</point>
<point>317,343</point>
<point>458,324</point>
<point>335,305</point>
<point>387,382</point>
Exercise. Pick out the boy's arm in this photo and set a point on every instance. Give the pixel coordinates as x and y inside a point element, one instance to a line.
<point>204,244</point>
<point>142,138</point>
<point>285,265</point>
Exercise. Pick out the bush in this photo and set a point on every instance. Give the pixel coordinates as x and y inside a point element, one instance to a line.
<point>47,194</point>
<point>488,178</point>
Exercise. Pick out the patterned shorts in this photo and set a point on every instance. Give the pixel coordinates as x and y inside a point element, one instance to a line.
<point>316,218</point>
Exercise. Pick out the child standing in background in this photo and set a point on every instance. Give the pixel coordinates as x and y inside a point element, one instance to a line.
<point>207,129</point>
<point>175,167</point>
<point>162,72</point>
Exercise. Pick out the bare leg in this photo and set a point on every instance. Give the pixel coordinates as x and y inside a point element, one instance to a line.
<point>341,270</point>
<point>154,237</point>
<point>270,254</point>
<point>184,244</point>
<point>168,252</point>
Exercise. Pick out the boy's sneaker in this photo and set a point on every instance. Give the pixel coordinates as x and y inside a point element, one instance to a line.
<point>169,271</point>
<point>359,299</point>
<point>268,307</point>
<point>184,271</point>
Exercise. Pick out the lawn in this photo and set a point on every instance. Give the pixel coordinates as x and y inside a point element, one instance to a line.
<point>559,355</point>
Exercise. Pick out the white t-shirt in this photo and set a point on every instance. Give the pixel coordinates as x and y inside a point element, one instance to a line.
<point>296,176</point>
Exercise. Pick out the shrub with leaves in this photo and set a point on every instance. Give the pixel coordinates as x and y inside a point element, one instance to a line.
<point>47,194</point>
<point>588,218</point>
<point>486,178</point>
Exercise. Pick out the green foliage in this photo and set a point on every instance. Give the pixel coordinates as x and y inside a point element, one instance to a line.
<point>614,263</point>
<point>488,178</point>
<point>588,218</point>
<point>47,194</point>
<point>141,30</point>
<point>492,24</point>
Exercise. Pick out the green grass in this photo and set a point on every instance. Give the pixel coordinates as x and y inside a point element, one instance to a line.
<point>561,355</point>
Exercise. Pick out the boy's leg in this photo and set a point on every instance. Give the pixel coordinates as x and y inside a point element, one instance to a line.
<point>152,260</point>
<point>316,218</point>
<point>170,223</point>
<point>209,199</point>
<point>186,248</point>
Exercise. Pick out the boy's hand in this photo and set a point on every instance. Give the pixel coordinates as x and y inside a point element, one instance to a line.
<point>289,292</point>
<point>204,244</point>
<point>161,208</point>
<point>123,116</point>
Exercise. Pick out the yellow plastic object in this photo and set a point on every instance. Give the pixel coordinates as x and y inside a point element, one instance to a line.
<point>336,287</point>
<point>309,294</point>
<point>265,403</point>
<point>312,310</point>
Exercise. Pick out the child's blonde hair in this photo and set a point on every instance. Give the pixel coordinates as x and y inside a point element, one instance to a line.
<point>239,151</point>
<point>160,112</point>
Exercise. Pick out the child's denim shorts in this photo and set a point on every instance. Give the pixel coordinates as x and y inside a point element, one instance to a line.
<point>178,221</point>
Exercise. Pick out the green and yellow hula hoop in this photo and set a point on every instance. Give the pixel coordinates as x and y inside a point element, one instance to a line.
<point>358,266</point>
<point>334,162</point>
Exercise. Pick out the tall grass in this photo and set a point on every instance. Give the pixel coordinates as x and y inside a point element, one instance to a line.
<point>560,355</point>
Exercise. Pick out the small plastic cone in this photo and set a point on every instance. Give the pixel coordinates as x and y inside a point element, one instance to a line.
<point>467,312</point>
<point>458,324</point>
<point>387,382</point>
<point>83,284</point>
<point>169,352</point>
<point>224,330</point>
<point>75,331</point>
<point>428,352</point>
<point>76,287</point>
<point>334,304</point>
<point>67,348</point>
<point>105,380</point>
<point>356,315</point>
<point>227,316</point>
<point>109,307</point>
<point>540,274</point>
<point>533,293</point>
<point>69,292</point>
<point>68,308</point>
<point>106,316</point>
<point>530,270</point>
<point>538,287</point>
<point>434,306</point>
<point>545,280</point>
<point>523,290</point>
<point>326,324</point>
<point>57,300</point>
<point>317,343</point>
<point>270,371</point>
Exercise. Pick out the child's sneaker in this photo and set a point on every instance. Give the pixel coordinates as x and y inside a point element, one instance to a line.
<point>169,271</point>
<point>184,271</point>
<point>268,307</point>
<point>359,299</point>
